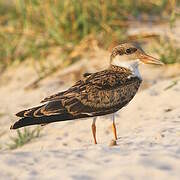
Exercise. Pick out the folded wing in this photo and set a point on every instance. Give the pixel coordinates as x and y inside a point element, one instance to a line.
<point>95,95</point>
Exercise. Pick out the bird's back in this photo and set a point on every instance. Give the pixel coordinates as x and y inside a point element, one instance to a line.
<point>97,94</point>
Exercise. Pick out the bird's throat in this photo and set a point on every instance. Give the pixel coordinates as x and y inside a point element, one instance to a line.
<point>132,65</point>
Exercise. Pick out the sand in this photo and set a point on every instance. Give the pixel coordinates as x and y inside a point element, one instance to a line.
<point>148,145</point>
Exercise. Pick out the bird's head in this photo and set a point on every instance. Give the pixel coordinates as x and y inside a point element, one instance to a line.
<point>129,53</point>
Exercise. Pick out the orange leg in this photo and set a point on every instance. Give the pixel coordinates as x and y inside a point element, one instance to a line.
<point>93,126</point>
<point>114,127</point>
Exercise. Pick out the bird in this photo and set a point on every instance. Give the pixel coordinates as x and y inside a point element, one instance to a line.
<point>96,94</point>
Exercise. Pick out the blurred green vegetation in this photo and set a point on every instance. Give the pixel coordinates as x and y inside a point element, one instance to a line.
<point>169,53</point>
<point>23,137</point>
<point>32,28</point>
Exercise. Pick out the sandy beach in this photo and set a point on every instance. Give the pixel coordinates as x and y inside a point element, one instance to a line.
<point>46,47</point>
<point>148,144</point>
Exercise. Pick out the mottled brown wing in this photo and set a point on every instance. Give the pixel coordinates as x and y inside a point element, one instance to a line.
<point>60,94</point>
<point>97,94</point>
<point>48,109</point>
<point>100,93</point>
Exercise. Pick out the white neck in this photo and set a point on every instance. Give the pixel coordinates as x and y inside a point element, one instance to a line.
<point>129,64</point>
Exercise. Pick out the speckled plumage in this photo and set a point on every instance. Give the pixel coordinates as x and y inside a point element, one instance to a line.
<point>97,94</point>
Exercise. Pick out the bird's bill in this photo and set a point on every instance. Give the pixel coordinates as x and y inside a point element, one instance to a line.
<point>146,59</point>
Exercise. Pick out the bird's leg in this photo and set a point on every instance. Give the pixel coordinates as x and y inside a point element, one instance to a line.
<point>94,129</point>
<point>114,126</point>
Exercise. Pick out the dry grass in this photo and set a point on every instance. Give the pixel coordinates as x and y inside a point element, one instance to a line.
<point>31,29</point>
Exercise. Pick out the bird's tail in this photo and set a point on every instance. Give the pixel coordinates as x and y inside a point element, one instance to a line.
<point>27,121</point>
<point>44,114</point>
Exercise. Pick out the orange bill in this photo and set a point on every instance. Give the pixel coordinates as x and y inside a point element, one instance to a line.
<point>146,59</point>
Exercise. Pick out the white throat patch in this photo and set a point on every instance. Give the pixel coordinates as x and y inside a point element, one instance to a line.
<point>131,65</point>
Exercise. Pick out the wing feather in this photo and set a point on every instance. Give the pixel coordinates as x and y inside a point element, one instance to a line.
<point>98,93</point>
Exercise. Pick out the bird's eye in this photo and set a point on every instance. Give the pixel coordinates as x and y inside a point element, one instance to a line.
<point>128,51</point>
